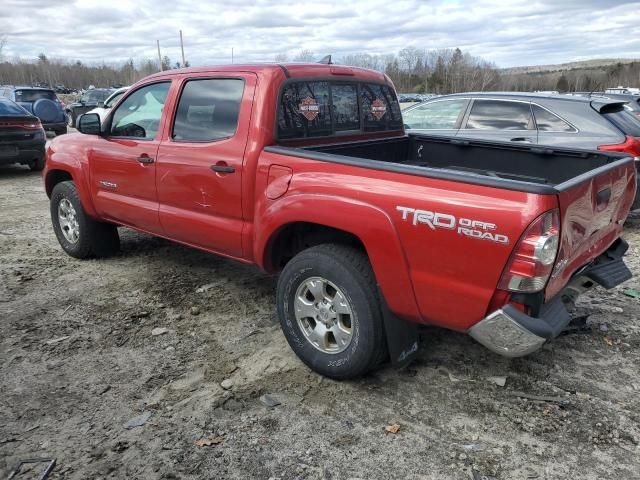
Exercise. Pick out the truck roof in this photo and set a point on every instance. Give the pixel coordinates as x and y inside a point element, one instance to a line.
<point>290,70</point>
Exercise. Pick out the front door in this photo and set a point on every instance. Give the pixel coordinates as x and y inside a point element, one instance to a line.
<point>200,162</point>
<point>123,163</point>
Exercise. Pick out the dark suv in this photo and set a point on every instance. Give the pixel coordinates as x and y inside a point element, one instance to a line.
<point>88,101</point>
<point>41,102</point>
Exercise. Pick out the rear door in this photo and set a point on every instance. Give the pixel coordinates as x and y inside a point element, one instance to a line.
<point>200,162</point>
<point>439,117</point>
<point>593,208</point>
<point>500,120</point>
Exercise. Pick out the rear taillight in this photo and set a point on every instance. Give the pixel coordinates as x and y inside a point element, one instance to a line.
<point>533,258</point>
<point>631,146</point>
<point>27,125</point>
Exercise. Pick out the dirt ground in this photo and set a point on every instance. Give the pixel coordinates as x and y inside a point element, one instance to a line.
<point>80,363</point>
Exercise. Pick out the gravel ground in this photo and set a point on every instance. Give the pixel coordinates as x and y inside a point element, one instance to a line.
<point>187,345</point>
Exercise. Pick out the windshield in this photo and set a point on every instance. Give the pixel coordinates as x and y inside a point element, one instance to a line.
<point>113,100</point>
<point>33,95</point>
<point>625,121</point>
<point>95,96</point>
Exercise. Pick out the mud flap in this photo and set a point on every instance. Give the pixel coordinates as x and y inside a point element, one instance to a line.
<point>402,337</point>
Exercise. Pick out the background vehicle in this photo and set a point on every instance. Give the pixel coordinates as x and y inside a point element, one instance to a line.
<point>559,120</point>
<point>306,170</point>
<point>41,102</point>
<point>103,108</point>
<point>623,90</point>
<point>632,101</point>
<point>22,137</point>
<point>89,100</point>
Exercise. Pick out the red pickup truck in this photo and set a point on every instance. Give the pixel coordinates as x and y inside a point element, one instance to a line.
<point>306,170</point>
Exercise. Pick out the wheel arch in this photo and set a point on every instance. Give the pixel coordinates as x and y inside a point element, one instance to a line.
<point>288,225</point>
<point>54,177</point>
<point>58,173</point>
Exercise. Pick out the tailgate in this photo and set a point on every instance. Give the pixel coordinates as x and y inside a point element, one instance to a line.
<point>593,208</point>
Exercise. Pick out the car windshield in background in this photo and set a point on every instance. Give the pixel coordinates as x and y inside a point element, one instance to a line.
<point>113,100</point>
<point>94,96</point>
<point>33,95</point>
<point>625,121</point>
<point>11,109</point>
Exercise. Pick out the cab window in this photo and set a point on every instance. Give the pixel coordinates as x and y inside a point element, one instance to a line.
<point>208,110</point>
<point>139,114</point>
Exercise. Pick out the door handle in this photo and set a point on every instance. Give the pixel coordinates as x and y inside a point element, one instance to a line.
<point>144,158</point>
<point>222,168</point>
<point>521,139</point>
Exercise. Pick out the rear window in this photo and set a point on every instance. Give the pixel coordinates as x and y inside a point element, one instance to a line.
<point>625,121</point>
<point>324,108</point>
<point>33,95</point>
<point>10,108</point>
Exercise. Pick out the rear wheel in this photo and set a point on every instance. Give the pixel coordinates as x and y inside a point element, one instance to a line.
<point>330,312</point>
<point>60,131</point>
<point>78,234</point>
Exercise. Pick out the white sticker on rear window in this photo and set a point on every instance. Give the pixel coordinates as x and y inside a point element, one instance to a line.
<point>378,108</point>
<point>309,108</point>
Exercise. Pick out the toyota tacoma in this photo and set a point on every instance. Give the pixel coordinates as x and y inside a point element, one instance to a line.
<point>305,170</point>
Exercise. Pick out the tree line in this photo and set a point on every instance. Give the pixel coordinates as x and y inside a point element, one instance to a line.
<point>412,70</point>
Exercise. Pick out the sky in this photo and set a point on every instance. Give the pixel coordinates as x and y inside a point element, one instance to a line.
<point>508,33</point>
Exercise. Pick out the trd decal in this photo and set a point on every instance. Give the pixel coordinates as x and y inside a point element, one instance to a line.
<point>108,184</point>
<point>463,226</point>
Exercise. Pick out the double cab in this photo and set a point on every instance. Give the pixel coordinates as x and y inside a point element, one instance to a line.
<point>305,170</point>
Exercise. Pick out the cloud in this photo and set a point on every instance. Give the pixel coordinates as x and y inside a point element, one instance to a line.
<point>519,32</point>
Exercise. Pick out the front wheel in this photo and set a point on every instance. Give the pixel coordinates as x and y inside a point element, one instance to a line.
<point>78,234</point>
<point>330,312</point>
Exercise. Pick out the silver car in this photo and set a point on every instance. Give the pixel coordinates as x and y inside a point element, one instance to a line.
<point>558,120</point>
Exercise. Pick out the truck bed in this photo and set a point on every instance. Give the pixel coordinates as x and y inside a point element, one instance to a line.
<point>531,168</point>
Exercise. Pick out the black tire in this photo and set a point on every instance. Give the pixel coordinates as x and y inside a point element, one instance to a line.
<point>37,165</point>
<point>61,131</point>
<point>348,269</point>
<point>95,238</point>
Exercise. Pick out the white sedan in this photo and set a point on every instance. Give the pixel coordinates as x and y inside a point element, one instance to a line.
<point>103,110</point>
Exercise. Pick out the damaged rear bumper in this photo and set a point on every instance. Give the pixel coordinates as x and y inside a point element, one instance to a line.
<point>512,333</point>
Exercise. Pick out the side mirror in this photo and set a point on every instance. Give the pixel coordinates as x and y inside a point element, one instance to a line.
<point>89,124</point>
